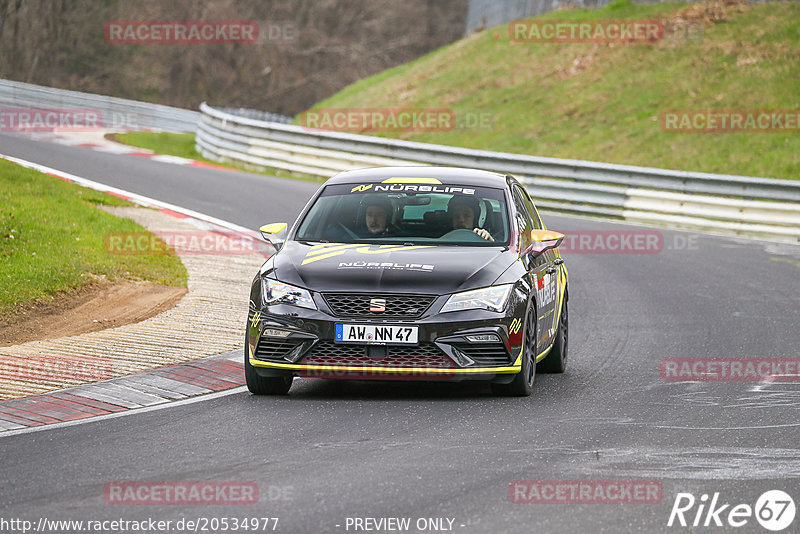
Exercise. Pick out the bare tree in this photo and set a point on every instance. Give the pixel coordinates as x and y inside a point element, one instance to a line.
<point>7,8</point>
<point>334,43</point>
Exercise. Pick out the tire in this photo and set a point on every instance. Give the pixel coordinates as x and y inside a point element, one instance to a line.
<point>556,360</point>
<point>261,385</point>
<point>522,385</point>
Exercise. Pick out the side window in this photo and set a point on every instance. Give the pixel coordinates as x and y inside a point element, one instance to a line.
<point>523,214</point>
<point>537,222</point>
<point>533,215</point>
<point>522,218</point>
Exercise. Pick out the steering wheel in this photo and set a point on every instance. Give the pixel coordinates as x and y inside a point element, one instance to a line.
<point>462,234</point>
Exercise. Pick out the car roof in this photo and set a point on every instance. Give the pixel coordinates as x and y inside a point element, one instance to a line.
<point>447,175</point>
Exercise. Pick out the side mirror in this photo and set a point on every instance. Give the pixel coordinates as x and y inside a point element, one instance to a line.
<point>542,240</point>
<point>274,234</point>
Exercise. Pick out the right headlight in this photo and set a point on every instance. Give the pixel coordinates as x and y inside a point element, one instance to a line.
<point>274,292</point>
<point>487,298</point>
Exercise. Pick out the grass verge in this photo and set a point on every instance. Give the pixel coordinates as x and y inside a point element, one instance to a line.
<point>52,240</point>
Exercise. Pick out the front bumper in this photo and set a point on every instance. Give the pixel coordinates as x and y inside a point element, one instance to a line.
<point>288,340</point>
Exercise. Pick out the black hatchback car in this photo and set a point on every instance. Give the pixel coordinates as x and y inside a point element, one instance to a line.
<point>410,273</point>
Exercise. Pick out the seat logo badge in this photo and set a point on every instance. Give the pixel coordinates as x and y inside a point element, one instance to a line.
<point>377,305</point>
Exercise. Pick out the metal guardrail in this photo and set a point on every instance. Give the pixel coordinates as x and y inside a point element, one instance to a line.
<point>763,207</point>
<point>730,204</point>
<point>257,114</point>
<point>116,113</point>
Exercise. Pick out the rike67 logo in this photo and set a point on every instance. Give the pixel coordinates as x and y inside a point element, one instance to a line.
<point>774,510</point>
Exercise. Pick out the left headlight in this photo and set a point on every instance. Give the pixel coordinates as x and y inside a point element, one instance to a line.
<point>488,298</point>
<point>274,292</point>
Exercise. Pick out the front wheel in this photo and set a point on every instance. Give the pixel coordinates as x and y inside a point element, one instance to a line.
<point>264,385</point>
<point>556,361</point>
<point>522,385</point>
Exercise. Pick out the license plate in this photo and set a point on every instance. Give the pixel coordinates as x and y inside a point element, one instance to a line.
<point>380,334</point>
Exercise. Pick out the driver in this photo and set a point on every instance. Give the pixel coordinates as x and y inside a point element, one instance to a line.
<point>377,216</point>
<point>463,212</point>
<point>374,217</point>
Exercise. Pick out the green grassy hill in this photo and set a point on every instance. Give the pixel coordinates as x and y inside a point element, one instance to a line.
<point>602,102</point>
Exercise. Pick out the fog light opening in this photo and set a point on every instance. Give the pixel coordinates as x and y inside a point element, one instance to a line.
<point>272,332</point>
<point>483,338</point>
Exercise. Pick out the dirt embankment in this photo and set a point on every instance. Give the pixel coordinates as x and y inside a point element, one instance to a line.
<point>95,307</point>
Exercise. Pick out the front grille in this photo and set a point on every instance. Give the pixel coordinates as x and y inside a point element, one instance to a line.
<point>275,348</point>
<point>423,355</point>
<point>397,306</point>
<point>485,354</point>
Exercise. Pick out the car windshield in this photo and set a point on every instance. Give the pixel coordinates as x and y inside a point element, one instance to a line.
<point>407,213</point>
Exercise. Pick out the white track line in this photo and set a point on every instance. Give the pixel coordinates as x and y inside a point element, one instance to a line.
<point>133,411</point>
<point>139,199</point>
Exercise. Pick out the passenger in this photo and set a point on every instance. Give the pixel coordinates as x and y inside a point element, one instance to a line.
<point>463,213</point>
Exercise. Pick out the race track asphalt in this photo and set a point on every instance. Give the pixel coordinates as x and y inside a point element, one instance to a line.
<point>334,450</point>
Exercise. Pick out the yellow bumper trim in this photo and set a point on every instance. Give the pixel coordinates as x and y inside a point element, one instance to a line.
<point>390,370</point>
